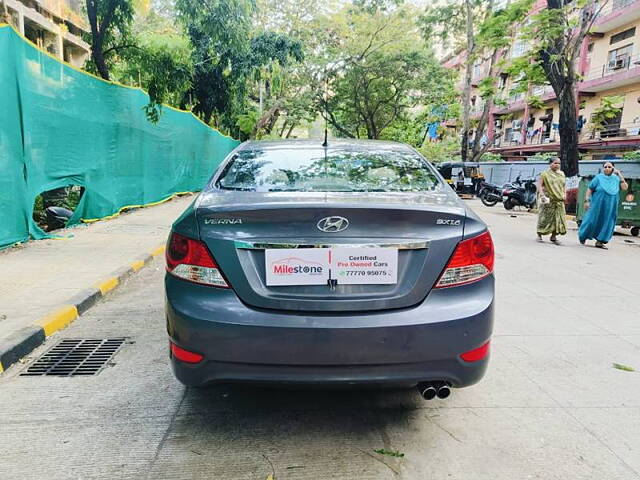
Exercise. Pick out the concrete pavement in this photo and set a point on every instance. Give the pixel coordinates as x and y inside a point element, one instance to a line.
<point>42,280</point>
<point>551,406</point>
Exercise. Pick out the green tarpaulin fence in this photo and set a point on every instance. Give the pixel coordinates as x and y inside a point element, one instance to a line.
<point>60,126</point>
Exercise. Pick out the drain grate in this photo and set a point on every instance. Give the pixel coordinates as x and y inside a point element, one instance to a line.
<point>73,357</point>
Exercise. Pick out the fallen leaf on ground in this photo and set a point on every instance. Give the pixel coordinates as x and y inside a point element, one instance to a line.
<point>625,368</point>
<point>391,453</point>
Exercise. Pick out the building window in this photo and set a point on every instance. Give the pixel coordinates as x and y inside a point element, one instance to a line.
<point>520,47</point>
<point>618,37</point>
<point>611,126</point>
<point>619,58</point>
<point>502,80</point>
<point>477,69</point>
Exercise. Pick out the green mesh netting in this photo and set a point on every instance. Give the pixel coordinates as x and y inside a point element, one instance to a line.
<point>60,126</point>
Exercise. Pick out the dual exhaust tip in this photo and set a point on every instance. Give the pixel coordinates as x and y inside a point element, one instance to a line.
<point>431,390</point>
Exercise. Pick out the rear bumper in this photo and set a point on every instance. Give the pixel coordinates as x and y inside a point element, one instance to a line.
<point>404,346</point>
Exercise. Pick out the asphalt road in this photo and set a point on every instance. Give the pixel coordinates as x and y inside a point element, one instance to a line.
<point>552,405</point>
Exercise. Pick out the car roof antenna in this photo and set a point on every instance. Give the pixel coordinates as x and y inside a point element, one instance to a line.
<point>325,144</point>
<point>326,109</point>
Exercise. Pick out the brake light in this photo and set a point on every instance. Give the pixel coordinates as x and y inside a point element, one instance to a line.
<point>471,261</point>
<point>185,355</point>
<point>190,260</point>
<point>476,354</point>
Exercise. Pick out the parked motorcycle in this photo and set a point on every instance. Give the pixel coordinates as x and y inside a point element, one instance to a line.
<point>490,194</point>
<point>520,193</point>
<point>57,217</point>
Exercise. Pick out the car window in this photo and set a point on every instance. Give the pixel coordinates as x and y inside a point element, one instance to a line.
<point>334,170</point>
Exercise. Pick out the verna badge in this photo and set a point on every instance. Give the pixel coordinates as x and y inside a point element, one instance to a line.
<point>333,224</point>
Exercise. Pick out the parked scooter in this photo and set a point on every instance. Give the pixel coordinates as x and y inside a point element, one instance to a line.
<point>520,193</point>
<point>490,194</point>
<point>57,217</point>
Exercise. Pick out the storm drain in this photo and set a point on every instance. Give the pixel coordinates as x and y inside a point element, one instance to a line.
<point>73,357</point>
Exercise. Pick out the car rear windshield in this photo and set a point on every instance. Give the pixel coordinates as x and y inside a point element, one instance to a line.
<point>331,170</point>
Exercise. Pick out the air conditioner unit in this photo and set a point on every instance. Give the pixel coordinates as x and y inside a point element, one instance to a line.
<point>516,124</point>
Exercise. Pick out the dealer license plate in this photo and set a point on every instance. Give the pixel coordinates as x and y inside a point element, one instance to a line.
<point>316,266</point>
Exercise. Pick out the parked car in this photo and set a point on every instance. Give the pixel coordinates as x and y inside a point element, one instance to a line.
<point>353,263</point>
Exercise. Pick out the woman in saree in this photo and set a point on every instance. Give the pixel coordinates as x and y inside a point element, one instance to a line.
<point>552,189</point>
<point>601,205</point>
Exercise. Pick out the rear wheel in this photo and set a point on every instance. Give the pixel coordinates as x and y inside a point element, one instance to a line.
<point>486,201</point>
<point>635,231</point>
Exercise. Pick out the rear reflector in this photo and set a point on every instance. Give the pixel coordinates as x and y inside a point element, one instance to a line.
<point>185,355</point>
<point>190,259</point>
<point>476,354</point>
<point>471,261</point>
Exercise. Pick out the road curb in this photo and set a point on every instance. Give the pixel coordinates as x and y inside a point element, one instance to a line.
<point>24,341</point>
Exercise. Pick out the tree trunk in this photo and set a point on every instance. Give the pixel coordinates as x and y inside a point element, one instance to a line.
<point>569,154</point>
<point>97,39</point>
<point>98,59</point>
<point>293,125</point>
<point>466,93</point>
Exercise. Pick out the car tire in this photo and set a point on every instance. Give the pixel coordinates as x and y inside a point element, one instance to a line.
<point>635,231</point>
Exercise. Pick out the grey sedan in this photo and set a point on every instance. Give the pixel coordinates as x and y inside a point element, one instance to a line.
<point>352,263</point>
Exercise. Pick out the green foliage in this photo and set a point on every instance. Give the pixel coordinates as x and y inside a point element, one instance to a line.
<point>376,70</point>
<point>220,32</point>
<point>246,122</point>
<point>535,102</point>
<point>410,130</point>
<point>162,66</point>
<point>491,157</point>
<point>609,108</point>
<point>448,150</point>
<point>487,87</point>
<point>541,157</point>
<point>495,32</point>
<point>635,155</point>
<point>110,22</point>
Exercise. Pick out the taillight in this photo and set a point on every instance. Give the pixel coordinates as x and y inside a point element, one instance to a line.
<point>190,259</point>
<point>476,354</point>
<point>471,261</point>
<point>185,355</point>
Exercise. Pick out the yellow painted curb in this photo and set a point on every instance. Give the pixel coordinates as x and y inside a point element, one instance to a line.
<point>137,265</point>
<point>1,369</point>
<point>59,319</point>
<point>107,285</point>
<point>158,251</point>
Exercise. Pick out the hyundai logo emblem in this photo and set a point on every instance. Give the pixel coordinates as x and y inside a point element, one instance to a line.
<point>333,224</point>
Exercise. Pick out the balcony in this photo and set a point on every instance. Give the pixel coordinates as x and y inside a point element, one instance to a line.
<point>624,134</point>
<point>617,131</point>
<point>617,72</point>
<point>615,14</point>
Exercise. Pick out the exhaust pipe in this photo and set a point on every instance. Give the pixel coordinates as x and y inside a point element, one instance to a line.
<point>444,391</point>
<point>427,390</point>
<point>431,390</point>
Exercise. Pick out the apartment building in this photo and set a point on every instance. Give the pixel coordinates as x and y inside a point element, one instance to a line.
<point>57,26</point>
<point>609,65</point>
